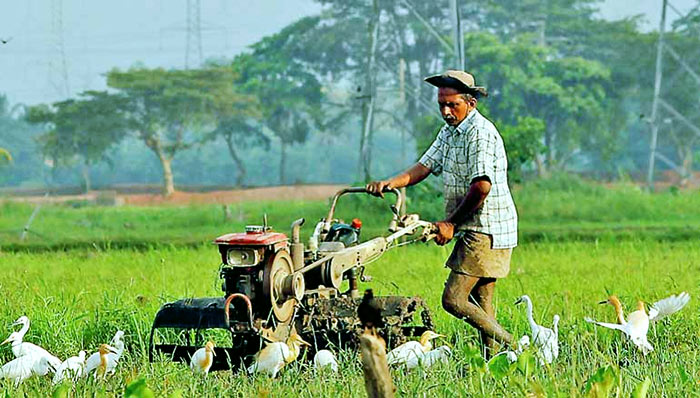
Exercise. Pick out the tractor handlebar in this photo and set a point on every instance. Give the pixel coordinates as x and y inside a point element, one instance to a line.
<point>394,208</point>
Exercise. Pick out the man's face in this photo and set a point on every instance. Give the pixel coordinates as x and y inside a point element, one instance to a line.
<point>453,107</point>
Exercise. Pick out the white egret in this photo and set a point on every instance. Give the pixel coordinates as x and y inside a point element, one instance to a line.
<point>324,359</point>
<point>636,326</point>
<point>21,348</point>
<point>117,347</point>
<point>24,367</point>
<point>428,359</point>
<point>276,355</point>
<point>546,340</point>
<point>523,344</point>
<point>412,349</point>
<point>203,358</point>
<point>72,368</point>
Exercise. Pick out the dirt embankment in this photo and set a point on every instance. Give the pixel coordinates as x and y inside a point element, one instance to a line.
<point>287,192</point>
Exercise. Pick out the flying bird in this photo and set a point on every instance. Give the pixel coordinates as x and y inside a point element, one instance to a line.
<point>203,358</point>
<point>72,369</point>
<point>546,340</point>
<point>21,348</point>
<point>24,367</point>
<point>5,41</point>
<point>636,326</point>
<point>324,360</point>
<point>271,359</point>
<point>117,349</point>
<point>406,351</point>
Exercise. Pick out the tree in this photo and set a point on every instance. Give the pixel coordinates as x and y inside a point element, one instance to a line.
<point>286,86</point>
<point>169,110</point>
<point>239,133</point>
<point>80,129</point>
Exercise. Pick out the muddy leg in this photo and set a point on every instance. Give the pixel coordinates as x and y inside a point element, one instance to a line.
<point>482,295</point>
<point>456,301</point>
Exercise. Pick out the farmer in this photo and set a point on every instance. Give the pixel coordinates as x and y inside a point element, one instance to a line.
<point>480,214</point>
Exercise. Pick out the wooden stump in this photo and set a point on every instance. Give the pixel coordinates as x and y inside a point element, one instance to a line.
<point>378,381</point>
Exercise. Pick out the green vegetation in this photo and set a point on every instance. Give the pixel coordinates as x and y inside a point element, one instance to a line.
<point>557,209</point>
<point>77,299</point>
<point>579,243</point>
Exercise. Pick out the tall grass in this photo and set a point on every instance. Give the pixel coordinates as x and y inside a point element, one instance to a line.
<point>77,299</point>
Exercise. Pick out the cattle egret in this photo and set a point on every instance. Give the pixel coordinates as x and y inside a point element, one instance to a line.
<point>72,368</point>
<point>546,340</point>
<point>203,358</point>
<point>324,360</point>
<point>276,355</point>
<point>636,326</point>
<point>407,351</point>
<point>24,367</point>
<point>22,348</point>
<point>102,370</point>
<point>440,354</point>
<point>117,345</point>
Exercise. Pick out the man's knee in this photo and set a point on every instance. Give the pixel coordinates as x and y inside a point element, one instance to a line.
<point>449,303</point>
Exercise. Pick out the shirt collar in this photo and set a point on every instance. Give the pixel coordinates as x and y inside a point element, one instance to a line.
<point>466,123</point>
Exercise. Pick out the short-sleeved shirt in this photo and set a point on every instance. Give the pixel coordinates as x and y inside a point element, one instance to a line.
<point>475,149</point>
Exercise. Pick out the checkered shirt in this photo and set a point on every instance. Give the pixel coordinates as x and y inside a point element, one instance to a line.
<point>475,149</point>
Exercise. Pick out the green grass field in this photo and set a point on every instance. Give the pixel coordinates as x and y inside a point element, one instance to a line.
<point>606,241</point>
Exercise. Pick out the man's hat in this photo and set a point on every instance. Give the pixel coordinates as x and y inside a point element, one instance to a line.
<point>459,80</point>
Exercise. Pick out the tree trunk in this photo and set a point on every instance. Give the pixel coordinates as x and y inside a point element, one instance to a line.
<point>240,175</point>
<point>368,114</point>
<point>166,163</point>
<point>283,160</point>
<point>86,177</point>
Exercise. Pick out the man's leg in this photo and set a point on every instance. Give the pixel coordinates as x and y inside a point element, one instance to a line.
<point>482,295</point>
<point>455,300</point>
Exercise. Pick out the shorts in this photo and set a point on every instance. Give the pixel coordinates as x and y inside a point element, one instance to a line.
<point>474,255</point>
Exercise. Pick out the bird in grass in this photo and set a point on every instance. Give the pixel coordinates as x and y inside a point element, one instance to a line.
<point>72,368</point>
<point>102,370</point>
<point>117,349</point>
<point>22,348</point>
<point>271,359</point>
<point>24,367</point>
<point>440,354</point>
<point>406,351</point>
<point>636,326</point>
<point>203,358</point>
<point>324,360</point>
<point>546,340</point>
<point>369,312</point>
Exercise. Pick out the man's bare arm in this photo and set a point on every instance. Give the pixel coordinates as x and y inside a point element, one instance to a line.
<point>412,175</point>
<point>478,191</point>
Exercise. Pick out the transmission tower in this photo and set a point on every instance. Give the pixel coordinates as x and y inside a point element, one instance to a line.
<point>193,29</point>
<point>58,68</point>
<point>658,102</point>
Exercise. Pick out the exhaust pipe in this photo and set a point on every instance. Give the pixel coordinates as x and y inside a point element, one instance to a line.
<point>297,249</point>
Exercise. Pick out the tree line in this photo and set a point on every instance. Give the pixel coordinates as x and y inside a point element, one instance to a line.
<point>567,89</point>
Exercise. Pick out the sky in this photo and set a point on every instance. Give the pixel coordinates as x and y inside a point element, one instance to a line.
<point>98,35</point>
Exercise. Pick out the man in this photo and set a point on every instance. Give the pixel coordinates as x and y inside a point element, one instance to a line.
<point>480,212</point>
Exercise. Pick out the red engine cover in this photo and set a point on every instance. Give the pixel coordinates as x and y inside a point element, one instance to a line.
<point>251,239</point>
